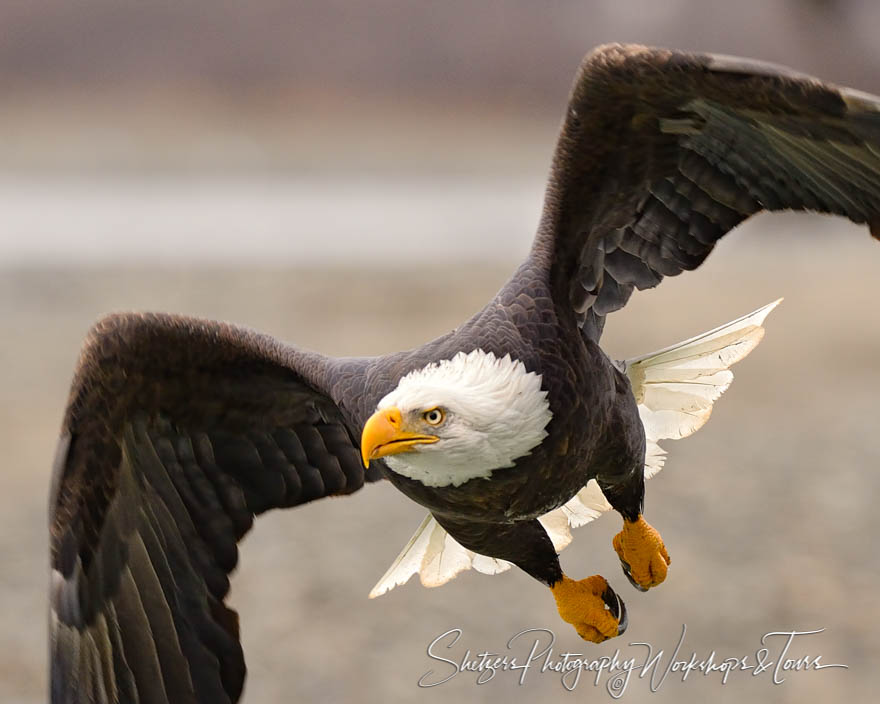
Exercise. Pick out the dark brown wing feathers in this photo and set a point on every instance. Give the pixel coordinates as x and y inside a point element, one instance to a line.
<point>662,153</point>
<point>178,432</point>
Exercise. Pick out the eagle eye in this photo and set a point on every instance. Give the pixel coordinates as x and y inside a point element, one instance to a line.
<point>434,416</point>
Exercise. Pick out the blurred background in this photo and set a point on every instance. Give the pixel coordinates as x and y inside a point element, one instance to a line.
<point>360,177</point>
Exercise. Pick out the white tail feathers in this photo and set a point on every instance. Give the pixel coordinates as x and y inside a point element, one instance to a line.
<point>675,389</point>
<point>437,557</point>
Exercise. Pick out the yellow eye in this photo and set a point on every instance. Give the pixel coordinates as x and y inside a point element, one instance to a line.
<point>434,416</point>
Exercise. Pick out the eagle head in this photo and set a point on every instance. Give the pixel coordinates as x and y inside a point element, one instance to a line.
<point>458,419</point>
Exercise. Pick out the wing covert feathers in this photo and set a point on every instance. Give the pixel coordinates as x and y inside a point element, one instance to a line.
<point>675,388</point>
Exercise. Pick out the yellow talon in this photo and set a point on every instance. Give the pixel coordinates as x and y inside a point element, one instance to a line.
<point>642,554</point>
<point>591,606</point>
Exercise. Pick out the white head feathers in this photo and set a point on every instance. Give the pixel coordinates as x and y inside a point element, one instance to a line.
<point>495,411</point>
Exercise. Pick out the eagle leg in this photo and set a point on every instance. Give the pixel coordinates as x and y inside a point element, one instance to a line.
<point>591,606</point>
<point>642,554</point>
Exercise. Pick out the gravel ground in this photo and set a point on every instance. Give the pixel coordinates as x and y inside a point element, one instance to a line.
<point>768,512</point>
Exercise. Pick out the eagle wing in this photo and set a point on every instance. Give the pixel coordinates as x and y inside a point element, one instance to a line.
<point>177,433</point>
<point>661,153</point>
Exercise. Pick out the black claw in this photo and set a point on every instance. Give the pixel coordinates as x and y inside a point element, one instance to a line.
<point>626,570</point>
<point>617,607</point>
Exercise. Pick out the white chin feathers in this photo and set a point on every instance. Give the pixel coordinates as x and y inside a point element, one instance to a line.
<point>496,412</point>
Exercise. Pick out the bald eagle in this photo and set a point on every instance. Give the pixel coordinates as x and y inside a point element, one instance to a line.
<point>509,429</point>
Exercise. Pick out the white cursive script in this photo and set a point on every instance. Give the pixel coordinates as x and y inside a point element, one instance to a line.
<point>532,651</point>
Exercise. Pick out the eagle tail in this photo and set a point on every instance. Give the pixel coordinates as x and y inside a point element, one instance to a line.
<point>437,557</point>
<point>675,389</point>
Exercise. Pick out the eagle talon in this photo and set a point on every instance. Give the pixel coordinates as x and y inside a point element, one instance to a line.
<point>627,570</point>
<point>617,608</point>
<point>591,606</point>
<point>643,556</point>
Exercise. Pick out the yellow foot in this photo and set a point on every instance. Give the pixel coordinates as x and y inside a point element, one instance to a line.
<point>591,606</point>
<point>642,554</point>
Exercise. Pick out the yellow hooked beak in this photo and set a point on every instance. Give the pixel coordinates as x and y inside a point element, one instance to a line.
<point>384,434</point>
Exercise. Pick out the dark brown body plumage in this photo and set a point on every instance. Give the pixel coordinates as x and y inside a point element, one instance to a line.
<point>594,432</point>
<point>179,431</point>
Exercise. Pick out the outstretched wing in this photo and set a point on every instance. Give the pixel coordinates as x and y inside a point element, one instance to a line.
<point>177,433</point>
<point>662,153</point>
